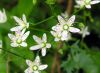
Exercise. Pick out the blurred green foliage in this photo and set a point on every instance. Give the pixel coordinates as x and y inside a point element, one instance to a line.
<point>77,57</point>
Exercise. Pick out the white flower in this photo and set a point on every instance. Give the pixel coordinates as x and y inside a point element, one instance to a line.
<point>84,32</point>
<point>3,17</point>
<point>41,44</point>
<point>62,30</point>
<point>60,36</point>
<point>22,23</point>
<point>66,25</point>
<point>86,3</point>
<point>19,38</point>
<point>0,43</point>
<point>35,67</point>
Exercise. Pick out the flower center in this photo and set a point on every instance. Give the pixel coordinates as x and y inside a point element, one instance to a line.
<point>24,25</point>
<point>87,2</point>
<point>65,27</point>
<point>58,36</point>
<point>35,68</point>
<point>43,44</point>
<point>19,41</point>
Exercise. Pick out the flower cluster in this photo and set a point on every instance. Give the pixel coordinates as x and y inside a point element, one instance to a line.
<point>19,39</point>
<point>20,36</point>
<point>62,30</point>
<point>86,3</point>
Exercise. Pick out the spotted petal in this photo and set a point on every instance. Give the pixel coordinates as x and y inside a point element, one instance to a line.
<point>43,51</point>
<point>37,39</point>
<point>36,47</point>
<point>61,20</point>
<point>24,37</point>
<point>24,44</point>
<point>29,63</point>
<point>42,67</point>
<point>71,20</point>
<point>74,30</point>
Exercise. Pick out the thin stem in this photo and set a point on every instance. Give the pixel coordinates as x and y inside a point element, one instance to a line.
<point>41,30</point>
<point>43,21</point>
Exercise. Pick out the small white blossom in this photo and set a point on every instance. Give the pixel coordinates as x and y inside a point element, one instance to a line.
<point>84,32</point>
<point>35,67</point>
<point>62,30</point>
<point>86,3</point>
<point>21,23</point>
<point>66,25</point>
<point>41,44</point>
<point>0,43</point>
<point>60,36</point>
<point>19,38</point>
<point>3,17</point>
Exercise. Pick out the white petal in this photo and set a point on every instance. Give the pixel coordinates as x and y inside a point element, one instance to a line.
<point>36,47</point>
<point>3,17</point>
<point>36,72</point>
<point>29,63</point>
<point>11,36</point>
<point>37,39</point>
<point>71,20</point>
<point>43,51</point>
<point>54,27</point>
<point>44,38</point>
<point>37,60</point>
<point>14,45</point>
<point>28,70</point>
<point>73,29</point>
<point>42,67</point>
<point>18,20</point>
<point>95,2</point>
<point>56,39</point>
<point>24,18</point>
<point>48,45</point>
<point>64,35</point>
<point>16,28</point>
<point>24,44</point>
<point>79,2</point>
<point>53,33</point>
<point>88,6</point>
<point>25,35</point>
<point>61,20</point>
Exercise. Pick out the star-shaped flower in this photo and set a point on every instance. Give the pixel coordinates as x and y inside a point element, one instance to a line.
<point>61,36</point>
<point>35,67</point>
<point>84,32</point>
<point>3,17</point>
<point>62,30</point>
<point>66,25</point>
<point>86,3</point>
<point>41,44</point>
<point>19,38</point>
<point>21,23</point>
